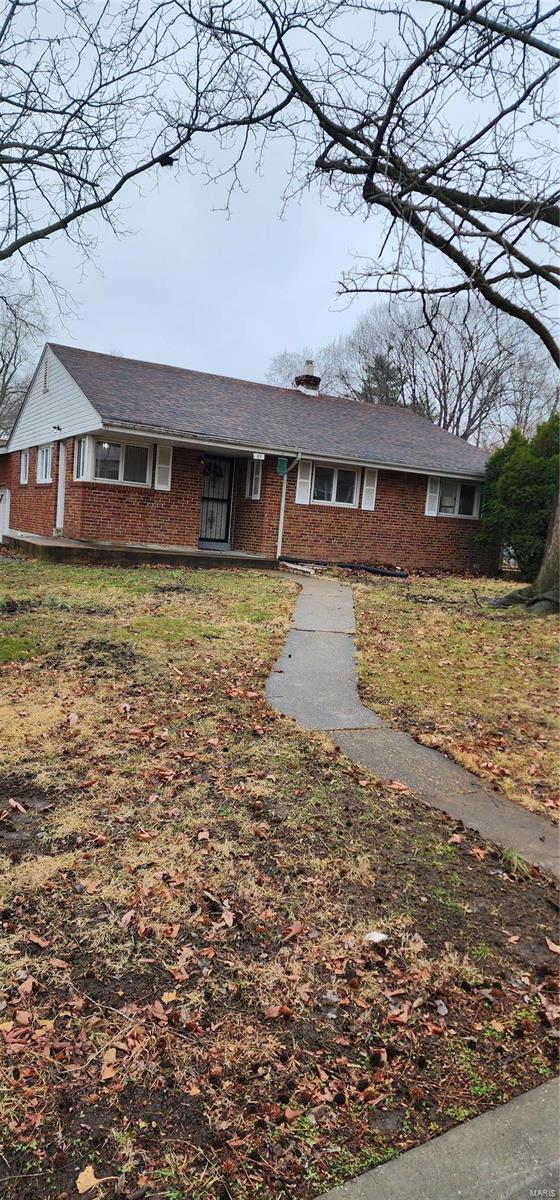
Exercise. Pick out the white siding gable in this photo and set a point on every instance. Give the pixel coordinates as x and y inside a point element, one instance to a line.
<point>62,404</point>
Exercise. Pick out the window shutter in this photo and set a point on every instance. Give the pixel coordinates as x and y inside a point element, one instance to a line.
<point>164,457</point>
<point>432,496</point>
<point>370,489</point>
<point>257,476</point>
<point>303,486</point>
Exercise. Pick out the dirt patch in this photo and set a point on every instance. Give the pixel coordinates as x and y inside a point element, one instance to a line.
<point>23,804</point>
<point>96,655</point>
<point>12,607</point>
<point>441,601</point>
<point>164,589</point>
<point>102,656</point>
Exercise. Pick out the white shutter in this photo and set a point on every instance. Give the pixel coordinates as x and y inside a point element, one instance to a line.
<point>303,486</point>
<point>369,490</point>
<point>164,456</point>
<point>254,477</point>
<point>89,458</point>
<point>257,476</point>
<point>432,496</point>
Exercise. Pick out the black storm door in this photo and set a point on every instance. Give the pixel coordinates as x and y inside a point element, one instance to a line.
<point>216,500</point>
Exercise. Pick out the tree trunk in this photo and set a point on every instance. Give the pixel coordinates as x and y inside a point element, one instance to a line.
<point>547,586</point>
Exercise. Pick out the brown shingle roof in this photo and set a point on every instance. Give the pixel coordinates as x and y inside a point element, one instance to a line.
<point>238,412</point>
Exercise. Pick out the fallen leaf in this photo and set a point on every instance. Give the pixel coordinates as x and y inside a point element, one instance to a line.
<point>168,997</point>
<point>552,946</point>
<point>39,941</point>
<point>87,1180</point>
<point>291,931</point>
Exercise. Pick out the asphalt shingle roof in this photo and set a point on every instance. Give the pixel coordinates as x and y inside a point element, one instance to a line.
<point>193,403</point>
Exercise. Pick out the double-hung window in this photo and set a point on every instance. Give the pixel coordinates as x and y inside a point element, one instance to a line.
<point>452,498</point>
<point>24,466</point>
<point>44,464</point>
<point>334,485</point>
<point>116,462</point>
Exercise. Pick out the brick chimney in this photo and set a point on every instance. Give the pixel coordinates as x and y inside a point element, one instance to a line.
<point>308,381</point>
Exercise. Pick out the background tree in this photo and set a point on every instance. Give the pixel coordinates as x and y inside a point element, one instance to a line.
<point>22,327</point>
<point>462,366</point>
<point>381,381</point>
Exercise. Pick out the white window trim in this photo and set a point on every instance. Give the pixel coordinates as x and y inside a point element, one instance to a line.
<point>336,503</point>
<point>120,482</point>
<point>24,467</point>
<point>253,480</point>
<point>46,446</point>
<point>454,516</point>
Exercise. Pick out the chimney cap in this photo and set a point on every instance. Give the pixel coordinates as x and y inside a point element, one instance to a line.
<point>308,380</point>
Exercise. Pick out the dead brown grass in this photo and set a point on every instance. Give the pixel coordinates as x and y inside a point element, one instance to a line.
<point>480,684</point>
<point>189,1000</point>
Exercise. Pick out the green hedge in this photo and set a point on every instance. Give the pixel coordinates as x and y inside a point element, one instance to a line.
<point>519,494</point>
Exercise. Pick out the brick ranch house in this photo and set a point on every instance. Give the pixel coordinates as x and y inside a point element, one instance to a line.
<point>112,451</point>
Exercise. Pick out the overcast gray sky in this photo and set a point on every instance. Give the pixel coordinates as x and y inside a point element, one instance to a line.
<point>190,286</point>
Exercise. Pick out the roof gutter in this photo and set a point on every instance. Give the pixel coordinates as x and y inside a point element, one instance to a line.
<point>201,440</point>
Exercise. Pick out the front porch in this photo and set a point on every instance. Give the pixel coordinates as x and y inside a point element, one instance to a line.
<point>74,550</point>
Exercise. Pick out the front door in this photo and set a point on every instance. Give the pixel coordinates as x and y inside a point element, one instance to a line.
<point>216,500</point>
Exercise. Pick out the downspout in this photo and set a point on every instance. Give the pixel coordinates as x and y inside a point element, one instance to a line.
<point>283,505</point>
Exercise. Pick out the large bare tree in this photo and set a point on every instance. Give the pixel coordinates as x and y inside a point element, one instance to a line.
<point>437,115</point>
<point>94,98</point>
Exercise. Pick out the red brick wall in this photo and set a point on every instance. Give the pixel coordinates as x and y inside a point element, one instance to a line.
<point>32,505</point>
<point>396,534</point>
<point>255,522</point>
<point>120,513</point>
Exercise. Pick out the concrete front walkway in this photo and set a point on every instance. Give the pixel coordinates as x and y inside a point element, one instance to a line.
<point>314,681</point>
<point>510,1153</point>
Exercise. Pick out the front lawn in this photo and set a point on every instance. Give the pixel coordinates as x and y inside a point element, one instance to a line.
<point>233,966</point>
<point>478,683</point>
